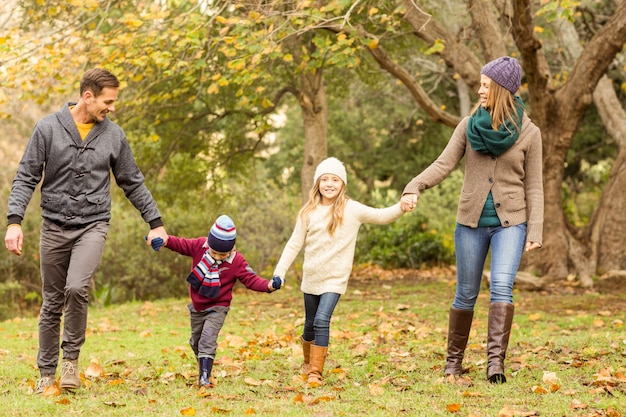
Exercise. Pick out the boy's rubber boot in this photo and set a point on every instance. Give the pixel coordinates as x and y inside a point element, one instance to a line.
<point>306,353</point>
<point>499,331</point>
<point>205,366</point>
<point>459,326</point>
<point>317,359</point>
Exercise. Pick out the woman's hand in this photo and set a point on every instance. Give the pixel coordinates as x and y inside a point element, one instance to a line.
<point>532,246</point>
<point>408,202</point>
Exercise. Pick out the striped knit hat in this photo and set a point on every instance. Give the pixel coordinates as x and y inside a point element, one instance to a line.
<point>223,234</point>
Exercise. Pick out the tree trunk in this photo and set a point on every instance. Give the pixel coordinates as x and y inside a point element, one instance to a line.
<point>314,107</point>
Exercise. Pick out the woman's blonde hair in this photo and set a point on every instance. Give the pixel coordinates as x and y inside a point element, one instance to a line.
<point>337,209</point>
<point>502,106</point>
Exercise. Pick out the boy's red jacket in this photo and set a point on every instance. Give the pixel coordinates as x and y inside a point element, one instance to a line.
<point>230,272</point>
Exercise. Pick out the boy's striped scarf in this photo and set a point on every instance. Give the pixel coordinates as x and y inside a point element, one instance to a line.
<point>205,277</point>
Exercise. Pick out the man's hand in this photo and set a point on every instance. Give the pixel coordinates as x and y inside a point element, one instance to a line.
<point>14,239</point>
<point>157,232</point>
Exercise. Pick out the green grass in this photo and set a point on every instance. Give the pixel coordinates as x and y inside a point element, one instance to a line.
<point>386,357</point>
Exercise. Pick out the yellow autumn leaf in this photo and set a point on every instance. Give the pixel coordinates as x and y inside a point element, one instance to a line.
<point>189,411</point>
<point>221,19</point>
<point>372,11</point>
<point>267,103</point>
<point>212,89</point>
<point>538,390</point>
<point>288,58</point>
<point>372,44</point>
<point>534,317</point>
<point>453,408</point>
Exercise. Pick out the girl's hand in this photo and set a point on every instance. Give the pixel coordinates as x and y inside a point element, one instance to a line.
<point>408,202</point>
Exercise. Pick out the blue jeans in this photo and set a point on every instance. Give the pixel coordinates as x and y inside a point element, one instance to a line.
<point>471,246</point>
<point>318,310</point>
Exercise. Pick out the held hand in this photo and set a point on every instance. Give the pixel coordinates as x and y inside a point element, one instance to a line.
<point>157,238</point>
<point>532,246</point>
<point>408,202</point>
<point>276,283</point>
<point>14,239</point>
<point>157,243</point>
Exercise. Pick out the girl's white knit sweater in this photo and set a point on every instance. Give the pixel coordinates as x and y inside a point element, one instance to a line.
<point>328,259</point>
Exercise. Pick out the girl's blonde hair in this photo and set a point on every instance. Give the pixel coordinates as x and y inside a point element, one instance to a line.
<point>502,106</point>
<point>337,209</point>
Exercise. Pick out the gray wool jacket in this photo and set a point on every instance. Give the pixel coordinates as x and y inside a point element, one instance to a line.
<point>514,178</point>
<point>77,174</point>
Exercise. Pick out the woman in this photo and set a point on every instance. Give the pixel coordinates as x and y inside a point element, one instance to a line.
<point>500,207</point>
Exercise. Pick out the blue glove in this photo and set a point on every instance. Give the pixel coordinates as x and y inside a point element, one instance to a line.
<point>277,282</point>
<point>156,243</point>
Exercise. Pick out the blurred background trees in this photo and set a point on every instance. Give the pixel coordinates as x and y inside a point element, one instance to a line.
<point>229,106</point>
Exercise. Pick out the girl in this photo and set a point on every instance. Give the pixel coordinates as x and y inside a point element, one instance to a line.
<point>327,228</point>
<point>501,206</point>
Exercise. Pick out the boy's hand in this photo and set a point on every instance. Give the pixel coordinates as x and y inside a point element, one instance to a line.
<point>156,243</point>
<point>276,283</point>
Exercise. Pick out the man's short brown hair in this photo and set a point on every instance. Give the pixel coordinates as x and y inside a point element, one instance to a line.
<point>97,79</point>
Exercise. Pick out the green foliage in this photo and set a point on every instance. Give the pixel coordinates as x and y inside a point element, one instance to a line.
<point>422,238</point>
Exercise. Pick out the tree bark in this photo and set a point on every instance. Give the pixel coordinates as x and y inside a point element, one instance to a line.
<point>314,107</point>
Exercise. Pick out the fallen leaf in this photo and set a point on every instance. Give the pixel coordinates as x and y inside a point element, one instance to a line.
<point>52,391</point>
<point>63,401</point>
<point>550,377</point>
<point>220,410</point>
<point>539,390</point>
<point>251,381</point>
<point>453,408</point>
<point>93,371</point>
<point>189,411</point>
<point>376,390</point>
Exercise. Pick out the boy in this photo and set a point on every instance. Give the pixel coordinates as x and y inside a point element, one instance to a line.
<point>215,269</point>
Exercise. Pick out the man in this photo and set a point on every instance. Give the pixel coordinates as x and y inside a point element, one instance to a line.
<point>75,150</point>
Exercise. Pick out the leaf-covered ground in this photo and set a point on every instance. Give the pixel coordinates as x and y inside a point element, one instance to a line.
<point>567,356</point>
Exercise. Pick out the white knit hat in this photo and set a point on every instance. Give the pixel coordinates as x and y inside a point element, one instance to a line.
<point>331,166</point>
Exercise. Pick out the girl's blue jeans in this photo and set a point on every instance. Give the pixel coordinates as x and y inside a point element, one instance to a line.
<point>471,246</point>
<point>318,310</point>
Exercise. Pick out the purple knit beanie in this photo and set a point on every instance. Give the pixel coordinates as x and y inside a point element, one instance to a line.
<point>223,234</point>
<point>506,71</point>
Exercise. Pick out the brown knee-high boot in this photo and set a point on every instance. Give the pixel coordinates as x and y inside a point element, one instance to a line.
<point>499,331</point>
<point>318,357</point>
<point>460,324</point>
<point>306,353</point>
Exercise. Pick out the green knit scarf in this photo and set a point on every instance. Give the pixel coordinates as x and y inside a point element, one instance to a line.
<point>484,139</point>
